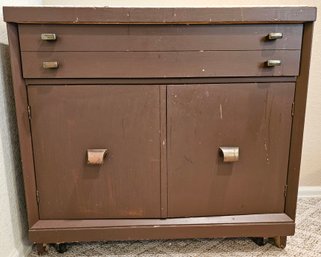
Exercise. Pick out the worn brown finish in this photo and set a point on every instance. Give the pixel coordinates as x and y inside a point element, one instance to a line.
<point>159,37</point>
<point>250,229</point>
<point>236,219</point>
<point>67,121</point>
<point>203,118</point>
<point>298,122</point>
<point>25,140</point>
<point>162,89</point>
<point>160,64</point>
<point>163,149</point>
<point>106,15</point>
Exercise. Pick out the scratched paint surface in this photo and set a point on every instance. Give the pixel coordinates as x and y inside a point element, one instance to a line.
<point>201,118</point>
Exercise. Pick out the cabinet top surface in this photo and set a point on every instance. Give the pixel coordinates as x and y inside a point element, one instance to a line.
<point>108,15</point>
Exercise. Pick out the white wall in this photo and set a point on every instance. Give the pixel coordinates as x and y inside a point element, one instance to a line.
<point>311,156</point>
<point>13,227</point>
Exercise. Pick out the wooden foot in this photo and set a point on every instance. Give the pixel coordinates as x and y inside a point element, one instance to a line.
<point>41,249</point>
<point>280,241</point>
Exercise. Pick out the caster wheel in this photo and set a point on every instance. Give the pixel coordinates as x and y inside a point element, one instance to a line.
<point>61,248</point>
<point>261,241</point>
<point>42,249</point>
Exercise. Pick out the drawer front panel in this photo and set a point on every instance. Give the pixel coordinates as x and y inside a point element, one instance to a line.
<point>201,119</point>
<point>66,121</point>
<point>160,64</point>
<point>159,37</point>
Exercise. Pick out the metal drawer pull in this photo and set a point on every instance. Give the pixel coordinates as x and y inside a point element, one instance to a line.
<point>48,36</point>
<point>275,35</point>
<point>273,63</point>
<point>96,156</point>
<point>50,65</point>
<point>229,154</point>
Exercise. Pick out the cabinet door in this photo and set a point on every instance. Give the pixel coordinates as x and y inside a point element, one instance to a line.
<point>256,117</point>
<point>68,120</point>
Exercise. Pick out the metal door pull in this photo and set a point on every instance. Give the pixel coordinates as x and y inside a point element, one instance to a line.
<point>48,36</point>
<point>96,156</point>
<point>275,35</point>
<point>50,65</point>
<point>229,154</point>
<point>273,63</point>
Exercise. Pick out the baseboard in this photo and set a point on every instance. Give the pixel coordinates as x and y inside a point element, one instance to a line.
<point>23,251</point>
<point>309,191</point>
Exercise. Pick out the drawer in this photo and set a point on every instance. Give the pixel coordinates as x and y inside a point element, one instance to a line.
<point>160,64</point>
<point>253,117</point>
<point>159,37</point>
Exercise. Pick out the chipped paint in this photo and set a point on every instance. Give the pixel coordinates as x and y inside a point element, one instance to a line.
<point>76,20</point>
<point>266,153</point>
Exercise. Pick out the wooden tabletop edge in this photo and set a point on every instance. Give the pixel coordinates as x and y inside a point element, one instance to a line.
<point>189,15</point>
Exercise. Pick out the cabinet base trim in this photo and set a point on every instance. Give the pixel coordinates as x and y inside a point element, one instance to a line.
<point>256,225</point>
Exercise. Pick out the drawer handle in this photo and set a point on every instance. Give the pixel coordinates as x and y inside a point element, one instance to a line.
<point>229,154</point>
<point>48,36</point>
<point>275,35</point>
<point>273,63</point>
<point>96,156</point>
<point>50,65</point>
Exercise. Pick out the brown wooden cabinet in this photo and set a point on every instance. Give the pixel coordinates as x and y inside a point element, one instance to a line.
<point>160,123</point>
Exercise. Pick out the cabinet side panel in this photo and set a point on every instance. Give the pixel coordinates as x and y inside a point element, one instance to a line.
<point>25,140</point>
<point>298,122</point>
